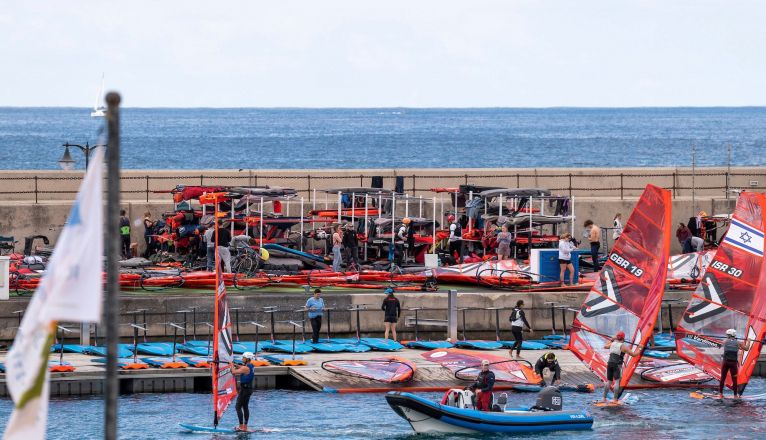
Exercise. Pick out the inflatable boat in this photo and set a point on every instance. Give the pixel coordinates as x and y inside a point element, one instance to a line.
<point>457,415</point>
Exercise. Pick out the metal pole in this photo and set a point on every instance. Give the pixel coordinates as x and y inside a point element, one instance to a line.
<point>301,239</point>
<point>366,224</point>
<point>452,315</point>
<point>500,214</point>
<point>260,243</point>
<point>433,232</point>
<point>406,205</point>
<point>353,206</point>
<point>112,241</point>
<point>340,205</point>
<point>694,175</point>
<point>728,168</point>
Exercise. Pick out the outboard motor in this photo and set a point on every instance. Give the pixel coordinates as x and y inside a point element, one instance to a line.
<point>549,399</point>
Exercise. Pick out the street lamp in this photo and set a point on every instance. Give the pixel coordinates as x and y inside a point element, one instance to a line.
<point>67,163</point>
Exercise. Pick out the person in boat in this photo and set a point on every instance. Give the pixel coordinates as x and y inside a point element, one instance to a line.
<point>518,320</point>
<point>483,386</point>
<point>594,238</point>
<point>315,307</point>
<point>455,238</point>
<point>618,348</point>
<point>337,248</point>
<point>503,243</point>
<point>730,360</point>
<point>549,361</point>
<point>351,244</point>
<point>566,246</point>
<point>392,309</point>
<point>246,375</point>
<point>124,234</point>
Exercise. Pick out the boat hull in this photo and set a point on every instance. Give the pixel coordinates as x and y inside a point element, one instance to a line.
<point>427,417</point>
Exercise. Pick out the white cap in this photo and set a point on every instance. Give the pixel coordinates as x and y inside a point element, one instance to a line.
<point>731,332</point>
<point>248,355</point>
<point>484,362</point>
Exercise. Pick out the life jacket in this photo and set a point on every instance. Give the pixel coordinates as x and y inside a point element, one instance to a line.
<point>730,350</point>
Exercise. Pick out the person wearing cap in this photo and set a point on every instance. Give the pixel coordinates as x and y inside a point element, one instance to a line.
<point>455,238</point>
<point>730,360</point>
<point>618,348</point>
<point>392,309</point>
<point>483,386</point>
<point>548,360</point>
<point>315,307</point>
<point>246,375</point>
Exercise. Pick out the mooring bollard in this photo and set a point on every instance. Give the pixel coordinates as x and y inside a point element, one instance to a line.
<point>452,315</point>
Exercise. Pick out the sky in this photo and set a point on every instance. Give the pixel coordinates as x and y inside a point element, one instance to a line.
<point>393,53</point>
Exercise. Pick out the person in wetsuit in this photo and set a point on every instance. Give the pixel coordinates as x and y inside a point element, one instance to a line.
<point>392,309</point>
<point>730,361</point>
<point>246,376</point>
<point>483,386</point>
<point>548,361</point>
<point>618,348</point>
<point>518,321</point>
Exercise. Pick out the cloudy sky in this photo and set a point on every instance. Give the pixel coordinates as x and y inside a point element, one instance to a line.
<point>410,53</point>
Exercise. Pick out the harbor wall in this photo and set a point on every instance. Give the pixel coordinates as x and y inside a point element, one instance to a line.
<point>480,322</point>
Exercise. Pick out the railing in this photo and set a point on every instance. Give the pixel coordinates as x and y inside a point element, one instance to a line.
<point>48,186</point>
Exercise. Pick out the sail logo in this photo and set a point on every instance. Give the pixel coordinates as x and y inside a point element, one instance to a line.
<point>610,301</point>
<point>745,237</point>
<point>715,304</point>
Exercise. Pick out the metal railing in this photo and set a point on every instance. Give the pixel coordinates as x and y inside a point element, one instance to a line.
<point>606,184</point>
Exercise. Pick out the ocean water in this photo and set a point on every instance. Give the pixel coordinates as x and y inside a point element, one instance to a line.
<point>31,138</point>
<point>658,414</point>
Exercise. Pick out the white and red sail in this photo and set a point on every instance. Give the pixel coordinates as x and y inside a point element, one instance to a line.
<point>628,293</point>
<point>224,383</point>
<point>730,295</point>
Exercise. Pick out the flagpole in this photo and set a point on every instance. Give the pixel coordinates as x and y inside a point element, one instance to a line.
<point>112,245</point>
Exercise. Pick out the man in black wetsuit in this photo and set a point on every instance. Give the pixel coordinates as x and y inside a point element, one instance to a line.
<point>483,386</point>
<point>246,376</point>
<point>392,309</point>
<point>550,362</point>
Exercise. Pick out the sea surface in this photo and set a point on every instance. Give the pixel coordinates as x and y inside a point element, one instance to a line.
<point>249,138</point>
<point>658,414</point>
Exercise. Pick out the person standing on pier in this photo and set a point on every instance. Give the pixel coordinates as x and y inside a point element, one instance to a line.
<point>246,378</point>
<point>148,232</point>
<point>351,243</point>
<point>503,243</point>
<point>210,247</point>
<point>224,241</point>
<point>455,238</point>
<point>125,234</point>
<point>594,237</point>
<point>392,309</point>
<point>518,321</point>
<point>565,257</point>
<point>337,248</point>
<point>315,307</point>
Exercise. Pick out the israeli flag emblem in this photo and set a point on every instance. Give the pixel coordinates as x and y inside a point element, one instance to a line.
<point>745,237</point>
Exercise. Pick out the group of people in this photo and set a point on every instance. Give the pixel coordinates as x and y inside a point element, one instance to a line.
<point>391,307</point>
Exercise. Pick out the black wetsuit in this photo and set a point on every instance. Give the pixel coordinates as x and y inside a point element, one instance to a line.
<point>243,397</point>
<point>543,363</point>
<point>391,308</point>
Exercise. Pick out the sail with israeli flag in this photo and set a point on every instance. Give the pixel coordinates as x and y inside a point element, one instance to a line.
<point>69,291</point>
<point>732,294</point>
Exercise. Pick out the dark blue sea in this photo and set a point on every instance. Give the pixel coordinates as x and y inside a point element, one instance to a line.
<point>31,138</point>
<point>658,414</point>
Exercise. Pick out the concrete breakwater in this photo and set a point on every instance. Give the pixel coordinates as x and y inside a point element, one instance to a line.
<point>37,202</point>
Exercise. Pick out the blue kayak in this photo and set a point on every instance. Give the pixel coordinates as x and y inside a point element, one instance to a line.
<point>479,345</point>
<point>285,348</point>
<point>123,350</point>
<point>381,344</point>
<point>294,252</point>
<point>429,345</point>
<point>156,348</point>
<point>556,337</point>
<point>243,346</point>
<point>159,362</point>
<point>427,417</point>
<point>656,354</point>
<point>199,350</point>
<point>197,361</point>
<point>279,359</point>
<point>328,347</point>
<point>526,345</point>
<point>71,348</point>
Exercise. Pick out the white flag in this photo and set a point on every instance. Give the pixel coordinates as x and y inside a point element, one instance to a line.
<point>70,290</point>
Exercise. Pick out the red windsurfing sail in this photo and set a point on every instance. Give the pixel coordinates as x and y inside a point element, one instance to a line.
<point>628,293</point>
<point>224,384</point>
<point>391,369</point>
<point>467,365</point>
<point>730,295</point>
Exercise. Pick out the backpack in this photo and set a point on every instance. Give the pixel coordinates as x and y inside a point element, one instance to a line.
<point>514,315</point>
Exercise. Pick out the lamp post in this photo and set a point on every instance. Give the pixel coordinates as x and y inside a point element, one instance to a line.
<point>67,163</point>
